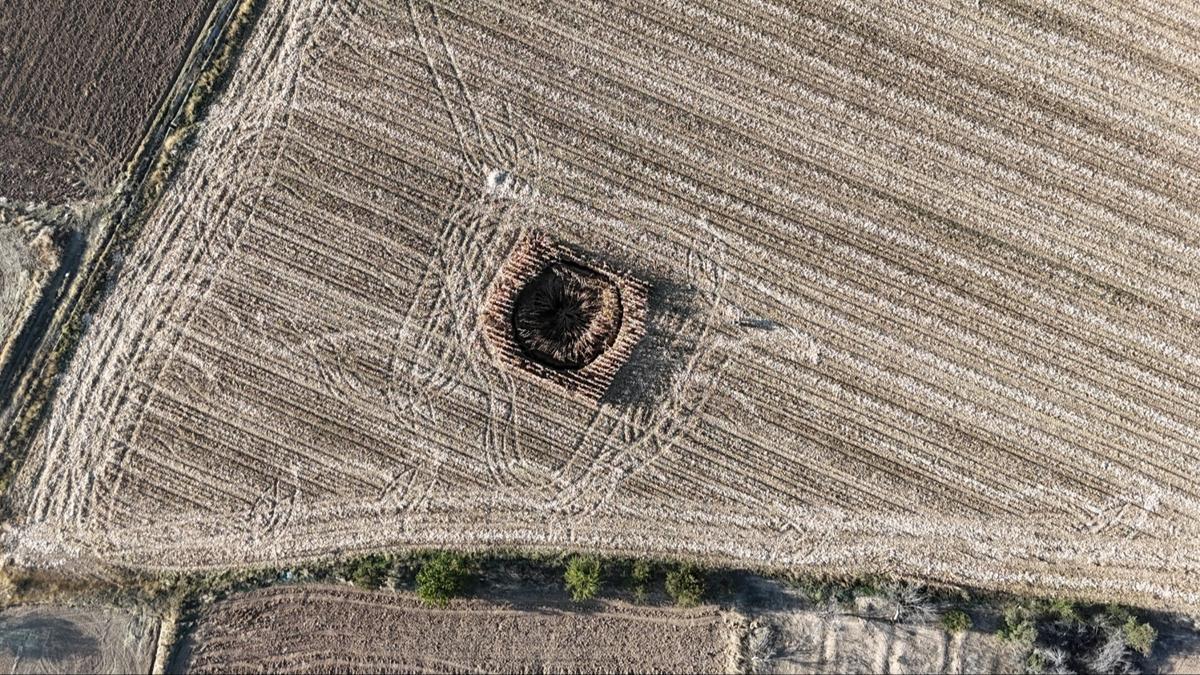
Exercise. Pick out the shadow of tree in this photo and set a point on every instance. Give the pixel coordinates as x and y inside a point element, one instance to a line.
<point>41,637</point>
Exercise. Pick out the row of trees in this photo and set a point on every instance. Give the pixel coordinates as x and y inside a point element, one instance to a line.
<point>1065,638</point>
<point>684,582</point>
<point>448,575</point>
<point>1059,636</point>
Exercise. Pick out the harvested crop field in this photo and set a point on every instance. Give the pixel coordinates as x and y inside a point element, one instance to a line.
<point>923,297</point>
<point>78,88</point>
<point>57,639</point>
<point>330,628</point>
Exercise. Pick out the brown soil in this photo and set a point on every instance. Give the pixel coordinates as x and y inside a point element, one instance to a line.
<point>78,85</point>
<point>528,627</point>
<point>335,629</point>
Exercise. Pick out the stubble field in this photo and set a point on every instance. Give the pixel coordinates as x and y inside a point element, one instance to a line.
<point>923,297</point>
<point>77,89</point>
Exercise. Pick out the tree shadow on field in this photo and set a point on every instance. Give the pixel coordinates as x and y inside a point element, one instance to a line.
<point>40,637</point>
<point>1178,639</point>
<point>672,336</point>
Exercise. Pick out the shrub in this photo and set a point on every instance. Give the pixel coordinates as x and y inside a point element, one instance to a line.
<point>956,621</point>
<point>1018,626</point>
<point>1063,610</point>
<point>369,571</point>
<point>583,577</point>
<point>1035,662</point>
<point>639,579</point>
<point>640,571</point>
<point>1139,636</point>
<point>685,585</point>
<point>911,603</point>
<point>1109,655</point>
<point>445,576</point>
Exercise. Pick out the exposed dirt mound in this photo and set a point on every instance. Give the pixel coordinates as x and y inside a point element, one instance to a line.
<point>56,639</point>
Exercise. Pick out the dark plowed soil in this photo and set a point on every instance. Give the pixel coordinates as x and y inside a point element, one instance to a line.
<point>79,83</point>
<point>323,629</point>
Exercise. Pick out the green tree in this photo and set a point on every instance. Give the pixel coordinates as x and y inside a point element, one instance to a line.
<point>685,585</point>
<point>1139,636</point>
<point>370,571</point>
<point>583,577</point>
<point>956,621</point>
<point>639,579</point>
<point>445,576</point>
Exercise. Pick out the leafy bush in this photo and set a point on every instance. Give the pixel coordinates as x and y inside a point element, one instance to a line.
<point>369,571</point>
<point>685,585</point>
<point>1139,636</point>
<point>639,578</point>
<point>1019,627</point>
<point>1035,662</point>
<point>583,577</point>
<point>956,621</point>
<point>1063,610</point>
<point>445,576</point>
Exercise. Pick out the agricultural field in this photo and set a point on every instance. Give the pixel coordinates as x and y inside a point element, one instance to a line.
<point>532,628</point>
<point>922,298</point>
<point>60,639</point>
<point>333,628</point>
<point>78,89</point>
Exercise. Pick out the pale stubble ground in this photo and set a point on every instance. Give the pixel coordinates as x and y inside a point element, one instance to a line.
<point>924,298</point>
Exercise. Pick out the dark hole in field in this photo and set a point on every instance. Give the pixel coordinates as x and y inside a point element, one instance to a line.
<point>566,316</point>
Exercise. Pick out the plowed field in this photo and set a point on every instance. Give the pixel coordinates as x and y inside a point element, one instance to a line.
<point>324,629</point>
<point>78,86</point>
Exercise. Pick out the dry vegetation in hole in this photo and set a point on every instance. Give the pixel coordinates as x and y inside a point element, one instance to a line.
<point>925,296</point>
